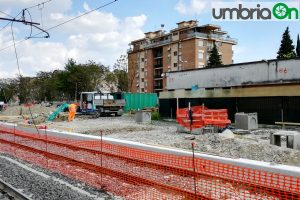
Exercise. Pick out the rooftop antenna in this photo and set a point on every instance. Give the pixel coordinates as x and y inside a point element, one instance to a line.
<point>162,29</point>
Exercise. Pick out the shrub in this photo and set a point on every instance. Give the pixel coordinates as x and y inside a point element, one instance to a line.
<point>155,115</point>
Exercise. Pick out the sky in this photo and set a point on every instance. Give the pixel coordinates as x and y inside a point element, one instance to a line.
<point>104,35</point>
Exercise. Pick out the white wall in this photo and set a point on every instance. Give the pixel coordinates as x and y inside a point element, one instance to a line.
<point>264,72</point>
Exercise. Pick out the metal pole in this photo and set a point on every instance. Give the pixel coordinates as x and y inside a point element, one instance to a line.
<point>14,139</point>
<point>101,133</point>
<point>190,115</point>
<point>46,138</point>
<point>46,145</point>
<point>14,133</point>
<point>282,118</point>
<point>194,168</point>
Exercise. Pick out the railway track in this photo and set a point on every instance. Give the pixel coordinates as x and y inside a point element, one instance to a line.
<point>8,192</point>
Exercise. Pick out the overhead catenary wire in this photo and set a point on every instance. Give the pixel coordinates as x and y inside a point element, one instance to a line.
<point>41,7</point>
<point>39,4</point>
<point>60,24</point>
<point>6,14</point>
<point>10,21</point>
<point>20,75</point>
<point>16,54</point>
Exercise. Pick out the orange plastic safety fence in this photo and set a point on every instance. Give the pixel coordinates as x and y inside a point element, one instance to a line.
<point>201,116</point>
<point>134,173</point>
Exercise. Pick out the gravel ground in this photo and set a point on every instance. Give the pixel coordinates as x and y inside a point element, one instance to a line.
<point>4,196</point>
<point>41,184</point>
<point>255,146</point>
<point>22,110</point>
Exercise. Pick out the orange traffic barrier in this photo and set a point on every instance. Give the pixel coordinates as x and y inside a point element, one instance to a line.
<point>200,116</point>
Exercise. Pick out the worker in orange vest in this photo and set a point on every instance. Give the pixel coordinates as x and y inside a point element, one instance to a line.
<point>72,112</point>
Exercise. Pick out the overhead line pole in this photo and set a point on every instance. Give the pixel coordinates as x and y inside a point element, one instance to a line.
<point>16,20</point>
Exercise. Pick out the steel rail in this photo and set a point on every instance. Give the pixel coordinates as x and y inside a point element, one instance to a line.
<point>12,191</point>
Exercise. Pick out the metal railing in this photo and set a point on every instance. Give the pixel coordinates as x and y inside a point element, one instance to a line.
<point>212,36</point>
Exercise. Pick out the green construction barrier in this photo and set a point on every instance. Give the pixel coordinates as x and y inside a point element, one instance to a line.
<point>139,101</point>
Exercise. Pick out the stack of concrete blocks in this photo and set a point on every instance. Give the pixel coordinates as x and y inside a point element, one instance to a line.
<point>292,139</point>
<point>246,121</point>
<point>143,116</point>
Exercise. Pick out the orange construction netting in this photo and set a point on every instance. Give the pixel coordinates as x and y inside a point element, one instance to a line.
<point>135,173</point>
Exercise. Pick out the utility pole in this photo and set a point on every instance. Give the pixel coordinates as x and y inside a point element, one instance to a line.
<point>75,99</point>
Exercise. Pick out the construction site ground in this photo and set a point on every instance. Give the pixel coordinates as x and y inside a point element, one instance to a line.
<point>255,145</point>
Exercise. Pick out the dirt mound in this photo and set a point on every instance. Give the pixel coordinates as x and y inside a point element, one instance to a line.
<point>22,110</point>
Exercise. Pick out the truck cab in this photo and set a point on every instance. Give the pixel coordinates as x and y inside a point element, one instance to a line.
<point>101,104</point>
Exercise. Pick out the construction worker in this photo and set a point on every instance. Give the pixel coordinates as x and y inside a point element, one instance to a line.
<point>72,112</point>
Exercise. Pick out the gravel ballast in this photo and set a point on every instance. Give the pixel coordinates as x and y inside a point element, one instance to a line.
<point>41,184</point>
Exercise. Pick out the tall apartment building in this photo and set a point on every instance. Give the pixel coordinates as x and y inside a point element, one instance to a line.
<point>186,47</point>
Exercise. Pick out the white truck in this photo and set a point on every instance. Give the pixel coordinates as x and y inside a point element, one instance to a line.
<point>100,104</point>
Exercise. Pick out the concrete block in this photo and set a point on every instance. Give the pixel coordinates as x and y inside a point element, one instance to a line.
<point>143,116</point>
<point>292,139</point>
<point>246,121</point>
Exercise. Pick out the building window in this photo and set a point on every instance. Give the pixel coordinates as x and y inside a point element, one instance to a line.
<point>142,79</point>
<point>175,53</point>
<point>175,65</point>
<point>143,90</point>
<point>142,59</point>
<point>142,69</point>
<point>175,33</point>
<point>200,43</point>
<point>200,55</point>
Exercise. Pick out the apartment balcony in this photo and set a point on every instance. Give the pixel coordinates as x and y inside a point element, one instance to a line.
<point>158,66</point>
<point>157,56</point>
<point>213,36</point>
<point>157,77</point>
<point>160,43</point>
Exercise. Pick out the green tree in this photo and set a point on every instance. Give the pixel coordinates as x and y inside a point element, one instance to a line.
<point>25,89</point>
<point>121,73</point>
<point>78,78</point>
<point>214,58</point>
<point>298,47</point>
<point>286,49</point>
<point>8,89</point>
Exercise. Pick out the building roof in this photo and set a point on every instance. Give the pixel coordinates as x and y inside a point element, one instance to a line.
<point>234,64</point>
